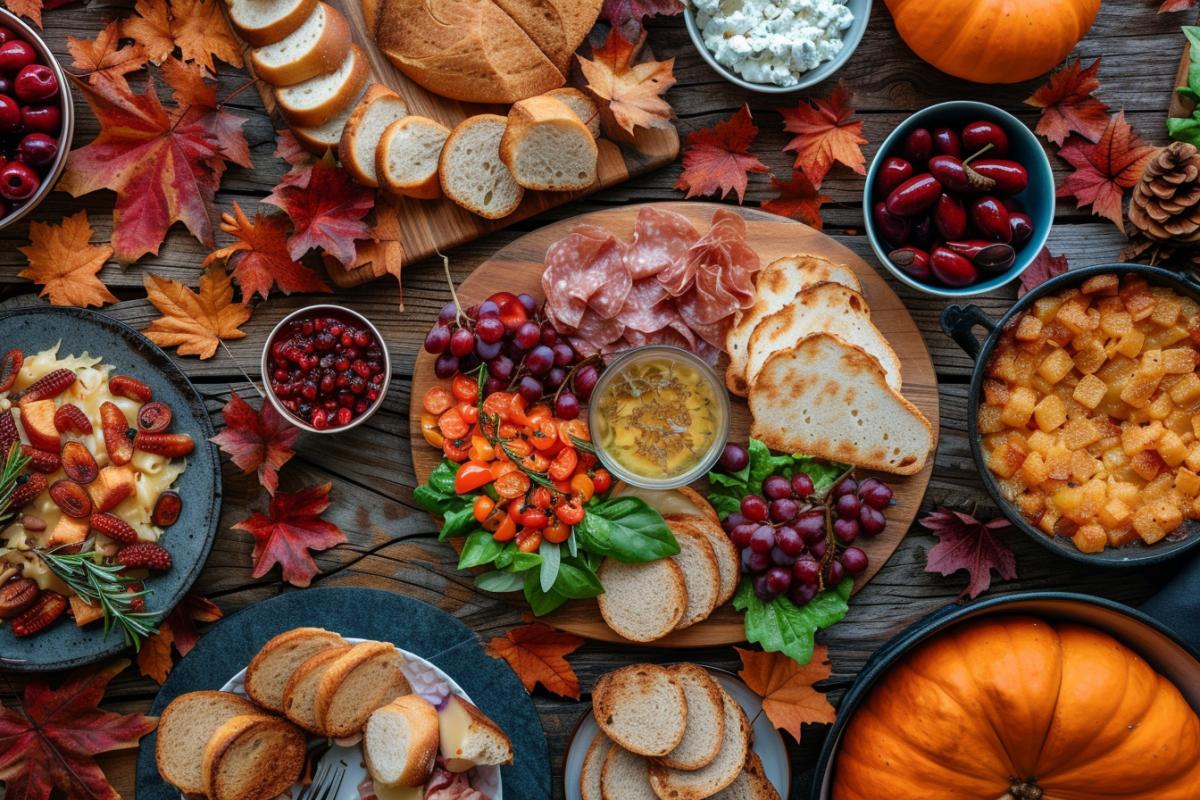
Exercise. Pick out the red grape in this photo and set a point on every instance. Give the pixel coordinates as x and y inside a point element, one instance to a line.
<point>834,573</point>
<point>487,351</point>
<point>448,314</point>
<point>763,539</point>
<point>733,520</point>
<point>854,560</point>
<point>462,341</point>
<point>740,535</point>
<point>445,366</point>
<point>789,540</point>
<point>548,335</point>
<point>528,302</point>
<point>734,458</point>
<point>530,389</point>
<point>490,329</point>
<point>872,521</point>
<point>802,485</point>
<point>778,556</point>
<point>563,354</point>
<point>754,562</point>
<point>846,530</point>
<point>806,570</point>
<point>540,360</point>
<point>555,378</point>
<point>779,580</point>
<point>803,593</point>
<point>527,336</point>
<point>847,486</point>
<point>762,588</point>
<point>817,549</point>
<point>494,385</point>
<point>488,309</point>
<point>437,340</point>
<point>585,381</point>
<point>785,509</point>
<point>566,406</point>
<point>776,487</point>
<point>811,526</point>
<point>501,367</point>
<point>875,493</point>
<point>754,507</point>
<point>847,506</point>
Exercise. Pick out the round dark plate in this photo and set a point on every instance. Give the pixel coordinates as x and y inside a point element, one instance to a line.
<point>65,645</point>
<point>417,627</point>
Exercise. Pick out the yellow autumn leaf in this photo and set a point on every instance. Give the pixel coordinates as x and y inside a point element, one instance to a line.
<point>195,322</point>
<point>63,260</point>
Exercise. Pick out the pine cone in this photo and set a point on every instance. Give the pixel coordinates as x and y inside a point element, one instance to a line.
<point>1166,200</point>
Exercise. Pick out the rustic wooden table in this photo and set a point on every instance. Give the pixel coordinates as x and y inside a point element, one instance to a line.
<point>392,543</point>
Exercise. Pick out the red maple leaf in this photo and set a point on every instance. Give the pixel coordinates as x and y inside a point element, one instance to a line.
<point>627,15</point>
<point>51,738</point>
<point>327,211</point>
<point>1068,106</point>
<point>260,256</point>
<point>825,133</point>
<point>717,159</point>
<point>256,440</point>
<point>293,527</point>
<point>966,543</point>
<point>798,199</point>
<point>1043,267</point>
<point>176,630</point>
<point>1104,170</point>
<point>299,160</point>
<point>1177,5</point>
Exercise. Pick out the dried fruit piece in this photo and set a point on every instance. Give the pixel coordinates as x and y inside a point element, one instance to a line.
<point>10,365</point>
<point>29,486</point>
<point>37,418</point>
<point>154,417</point>
<point>166,509</point>
<point>71,498</point>
<point>145,555</point>
<point>171,445</point>
<point>116,438</point>
<point>16,596</point>
<point>125,386</point>
<point>70,418</point>
<point>8,432</point>
<point>48,608</point>
<point>41,460</point>
<point>111,487</point>
<point>47,387</point>
<point>114,528</point>
<point>79,463</point>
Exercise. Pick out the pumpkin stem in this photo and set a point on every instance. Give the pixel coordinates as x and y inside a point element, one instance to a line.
<point>1022,789</point>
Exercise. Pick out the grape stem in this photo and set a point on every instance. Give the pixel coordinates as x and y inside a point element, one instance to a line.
<point>569,380</point>
<point>460,317</point>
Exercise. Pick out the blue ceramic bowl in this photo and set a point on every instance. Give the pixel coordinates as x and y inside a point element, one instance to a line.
<point>1037,199</point>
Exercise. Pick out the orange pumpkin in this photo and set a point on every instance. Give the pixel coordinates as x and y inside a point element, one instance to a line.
<point>1016,708</point>
<point>993,41</point>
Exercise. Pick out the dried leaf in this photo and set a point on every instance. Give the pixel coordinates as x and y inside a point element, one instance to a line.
<point>260,256</point>
<point>51,739</point>
<point>103,60</point>
<point>1104,170</point>
<point>717,159</point>
<point>196,104</point>
<point>537,654</point>
<point>633,91</point>
<point>293,527</point>
<point>176,630</point>
<point>797,199</point>
<point>966,543</point>
<point>256,440</point>
<point>151,28</point>
<point>195,322</point>
<point>327,212</point>
<point>1068,106</point>
<point>1043,267</point>
<point>197,27</point>
<point>63,260</point>
<point>1178,5</point>
<point>825,133</point>
<point>383,254</point>
<point>786,687</point>
<point>627,15</point>
<point>32,9</point>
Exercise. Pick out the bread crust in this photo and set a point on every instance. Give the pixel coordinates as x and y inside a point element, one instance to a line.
<point>593,767</point>
<point>282,640</point>
<point>573,95</point>
<point>285,757</point>
<point>447,152</point>
<point>272,33</point>
<point>315,116</point>
<point>317,661</point>
<point>675,594</point>
<point>712,691</point>
<point>526,115</point>
<point>612,690</point>
<point>428,189</point>
<point>357,656</point>
<point>699,584</point>
<point>728,560</point>
<point>242,705</point>
<point>330,50</point>
<point>675,784</point>
<point>422,719</point>
<point>347,141</point>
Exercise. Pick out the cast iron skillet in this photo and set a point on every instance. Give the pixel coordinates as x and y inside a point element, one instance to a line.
<point>1175,658</point>
<point>64,645</point>
<point>959,323</point>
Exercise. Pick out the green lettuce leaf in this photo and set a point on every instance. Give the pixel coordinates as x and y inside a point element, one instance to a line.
<point>782,627</point>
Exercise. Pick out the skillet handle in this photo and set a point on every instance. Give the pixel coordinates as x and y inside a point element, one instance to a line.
<point>958,322</point>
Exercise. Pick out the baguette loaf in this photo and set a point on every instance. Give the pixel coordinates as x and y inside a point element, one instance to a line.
<point>584,107</point>
<point>556,26</point>
<point>262,22</point>
<point>186,725</point>
<point>318,100</point>
<point>472,173</point>
<point>547,148</point>
<point>406,160</point>
<point>318,46</point>
<point>377,109</point>
<point>252,757</point>
<point>400,742</point>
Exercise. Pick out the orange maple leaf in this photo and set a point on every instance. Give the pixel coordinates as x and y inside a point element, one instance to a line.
<point>718,159</point>
<point>176,631</point>
<point>195,322</point>
<point>260,257</point>
<point>632,91</point>
<point>825,133</point>
<point>1068,106</point>
<point>63,260</point>
<point>103,60</point>
<point>786,688</point>
<point>197,27</point>
<point>537,654</point>
<point>798,199</point>
<point>384,252</point>
<point>151,28</point>
<point>30,9</point>
<point>1104,170</point>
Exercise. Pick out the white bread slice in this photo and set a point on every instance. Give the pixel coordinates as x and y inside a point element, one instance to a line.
<point>269,671</point>
<point>471,171</point>
<point>683,501</point>
<point>701,574</point>
<point>675,784</point>
<point>751,784</point>
<point>776,286</point>
<point>705,721</point>
<point>400,742</point>
<point>262,22</point>
<point>357,682</point>
<point>642,708</point>
<point>300,694</point>
<point>469,738</point>
<point>321,139</point>
<point>317,100</point>
<point>824,308</point>
<point>584,107</point>
<point>625,776</point>
<point>406,160</point>
<point>318,46</point>
<point>728,562</point>
<point>374,112</point>
<point>185,726</point>
<point>830,399</point>
<point>593,767</point>
<point>642,602</point>
<point>252,757</point>
<point>547,148</point>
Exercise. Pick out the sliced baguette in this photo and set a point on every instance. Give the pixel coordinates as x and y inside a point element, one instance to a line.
<point>318,46</point>
<point>262,22</point>
<point>374,112</point>
<point>252,757</point>
<point>591,772</point>
<point>683,501</point>
<point>318,100</point>
<point>584,107</point>
<point>705,719</point>
<point>642,708</point>
<point>357,682</point>
<point>751,784</point>
<point>400,742</point>
<point>625,776</point>
<point>728,562</point>
<point>675,784</point>
<point>828,398</point>
<point>547,148</point>
<point>406,160</point>
<point>701,574</point>
<point>472,173</point>
<point>642,602</point>
<point>269,671</point>
<point>300,693</point>
<point>469,738</point>
<point>323,138</point>
<point>185,726</point>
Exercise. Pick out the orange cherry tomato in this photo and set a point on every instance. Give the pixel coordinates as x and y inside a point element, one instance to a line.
<point>452,425</point>
<point>602,480</point>
<point>577,428</point>
<point>528,541</point>
<point>536,462</point>
<point>570,512</point>
<point>471,476</point>
<point>519,448</point>
<point>556,532</point>
<point>516,410</point>
<point>437,400</point>
<point>544,435</point>
<point>537,413</point>
<point>506,530</point>
<point>501,468</point>
<point>465,389</point>
<point>429,429</point>
<point>469,412</point>
<point>564,464</point>
<point>481,449</point>
<point>483,508</point>
<point>583,486</point>
<point>508,430</point>
<point>456,450</point>
<point>528,516</point>
<point>497,404</point>
<point>540,497</point>
<point>512,485</point>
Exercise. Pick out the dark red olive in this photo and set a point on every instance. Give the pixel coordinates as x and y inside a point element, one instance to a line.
<point>990,218</point>
<point>917,147</point>
<point>894,172</point>
<point>154,417</point>
<point>913,261</point>
<point>987,256</point>
<point>979,135</point>
<point>6,34</point>
<point>1022,228</point>
<point>891,228</point>
<point>42,119</point>
<point>957,176</point>
<point>10,115</point>
<point>914,195</point>
<point>950,268</point>
<point>1010,177</point>
<point>950,216</point>
<point>946,143</point>
<point>15,54</point>
<point>924,232</point>
<point>37,149</point>
<point>1012,204</point>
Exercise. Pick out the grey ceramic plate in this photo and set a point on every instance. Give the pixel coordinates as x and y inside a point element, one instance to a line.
<point>189,540</point>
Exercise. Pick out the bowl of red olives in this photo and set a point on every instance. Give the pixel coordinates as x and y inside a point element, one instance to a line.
<point>36,119</point>
<point>959,199</point>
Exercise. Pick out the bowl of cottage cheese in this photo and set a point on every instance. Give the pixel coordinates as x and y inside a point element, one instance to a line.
<point>776,46</point>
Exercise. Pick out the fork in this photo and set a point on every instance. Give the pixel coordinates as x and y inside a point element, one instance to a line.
<point>326,783</point>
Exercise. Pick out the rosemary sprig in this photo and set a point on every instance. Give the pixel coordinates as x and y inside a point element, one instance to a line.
<point>14,467</point>
<point>104,584</point>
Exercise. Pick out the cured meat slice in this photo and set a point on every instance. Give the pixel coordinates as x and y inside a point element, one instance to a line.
<point>660,238</point>
<point>612,280</point>
<point>569,280</point>
<point>644,309</point>
<point>598,330</point>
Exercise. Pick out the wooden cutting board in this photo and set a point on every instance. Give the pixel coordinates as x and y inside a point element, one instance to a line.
<point>428,227</point>
<point>517,267</point>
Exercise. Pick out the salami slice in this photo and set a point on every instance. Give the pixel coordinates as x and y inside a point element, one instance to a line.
<point>644,309</point>
<point>585,269</point>
<point>660,238</point>
<point>612,280</point>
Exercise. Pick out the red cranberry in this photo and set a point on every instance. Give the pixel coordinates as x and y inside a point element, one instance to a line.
<point>15,54</point>
<point>6,34</point>
<point>42,119</point>
<point>344,416</point>
<point>362,339</point>
<point>320,419</point>
<point>38,150</point>
<point>35,83</point>
<point>18,181</point>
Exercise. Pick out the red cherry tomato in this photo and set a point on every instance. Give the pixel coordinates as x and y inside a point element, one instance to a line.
<point>471,476</point>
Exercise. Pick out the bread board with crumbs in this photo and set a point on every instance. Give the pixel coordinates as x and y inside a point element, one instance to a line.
<point>427,227</point>
<point>518,266</point>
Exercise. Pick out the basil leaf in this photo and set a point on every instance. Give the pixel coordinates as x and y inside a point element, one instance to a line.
<point>1184,130</point>
<point>541,603</point>
<point>505,559</point>
<point>577,581</point>
<point>457,522</point>
<point>762,464</point>
<point>480,548</point>
<point>573,544</point>
<point>551,560</point>
<point>524,561</point>
<point>442,478</point>
<point>432,500</point>
<point>499,582</point>
<point>627,529</point>
<point>782,627</point>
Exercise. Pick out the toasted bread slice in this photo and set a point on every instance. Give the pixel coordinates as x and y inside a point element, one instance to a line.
<point>185,726</point>
<point>318,46</point>
<point>593,767</point>
<point>584,107</point>
<point>316,101</point>
<point>705,721</point>
<point>824,308</point>
<point>625,776</point>
<point>321,139</point>
<point>670,502</point>
<point>300,693</point>
<point>469,738</point>
<point>262,22</point>
<point>471,171</point>
<point>406,159</point>
<point>642,602</point>
<point>776,286</point>
<point>675,784</point>
<point>829,399</point>
<point>728,561</point>
<point>269,671</point>
<point>357,682</point>
<point>547,148</point>
<point>751,784</point>
<point>701,574</point>
<point>377,109</point>
<point>642,708</point>
<point>400,741</point>
<point>253,757</point>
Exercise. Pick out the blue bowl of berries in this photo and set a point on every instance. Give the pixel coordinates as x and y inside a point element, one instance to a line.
<point>326,368</point>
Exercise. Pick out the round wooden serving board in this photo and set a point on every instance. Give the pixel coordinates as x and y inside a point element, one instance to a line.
<point>518,268</point>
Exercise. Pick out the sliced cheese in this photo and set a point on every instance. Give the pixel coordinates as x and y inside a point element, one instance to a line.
<point>399,792</point>
<point>453,724</point>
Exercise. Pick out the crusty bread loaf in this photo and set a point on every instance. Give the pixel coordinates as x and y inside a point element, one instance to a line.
<point>318,46</point>
<point>318,100</point>
<point>323,138</point>
<point>729,564</point>
<point>300,693</point>
<point>642,602</point>
<point>184,728</point>
<point>625,776</point>
<point>675,784</point>
<point>642,708</point>
<point>378,108</point>
<point>547,148</point>
<point>400,741</point>
<point>829,399</point>
<point>583,106</point>
<point>406,160</point>
<point>262,22</point>
<point>252,757</point>
<point>705,719</point>
<point>701,574</point>
<point>751,784</point>
<point>471,171</point>
<point>469,738</point>
<point>357,682</point>
<point>593,767</point>
<point>271,668</point>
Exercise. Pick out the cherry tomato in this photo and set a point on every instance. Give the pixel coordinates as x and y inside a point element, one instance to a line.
<point>537,414</point>
<point>429,429</point>
<point>587,461</point>
<point>528,541</point>
<point>516,410</point>
<point>512,485</point>
<point>506,530</point>
<point>602,480</point>
<point>481,449</point>
<point>483,508</point>
<point>492,523</point>
<point>577,428</point>
<point>536,462</point>
<point>518,448</point>
<point>570,512</point>
<point>501,468</point>
<point>528,516</point>
<point>564,464</point>
<point>471,476</point>
<point>437,400</point>
<point>469,412</point>
<point>507,430</point>
<point>583,486</point>
<point>497,404</point>
<point>456,450</point>
<point>465,389</point>
<point>563,487</point>
<point>452,425</point>
<point>544,435</point>
<point>556,532</point>
<point>540,497</point>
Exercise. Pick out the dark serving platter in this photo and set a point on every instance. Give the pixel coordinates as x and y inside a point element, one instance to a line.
<point>35,329</point>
